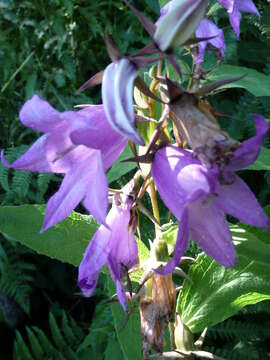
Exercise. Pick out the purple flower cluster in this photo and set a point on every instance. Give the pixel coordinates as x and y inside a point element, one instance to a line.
<point>83,144</point>
<point>208,29</point>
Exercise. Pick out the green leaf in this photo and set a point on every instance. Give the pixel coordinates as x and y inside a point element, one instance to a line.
<point>263,161</point>
<point>154,6</point>
<point>121,168</point>
<point>218,292</point>
<point>163,2</point>
<point>113,351</point>
<point>129,336</point>
<point>169,234</point>
<point>255,82</point>
<point>65,241</point>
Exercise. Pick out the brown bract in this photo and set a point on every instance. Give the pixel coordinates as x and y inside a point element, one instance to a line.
<point>156,311</point>
<point>197,125</point>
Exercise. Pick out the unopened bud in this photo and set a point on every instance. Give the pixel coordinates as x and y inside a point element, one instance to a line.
<point>182,336</point>
<point>161,250</point>
<point>180,22</point>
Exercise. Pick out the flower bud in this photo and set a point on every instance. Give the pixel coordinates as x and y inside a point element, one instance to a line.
<point>182,336</point>
<point>180,22</point>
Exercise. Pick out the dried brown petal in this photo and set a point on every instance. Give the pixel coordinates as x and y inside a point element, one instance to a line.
<point>198,126</point>
<point>156,311</point>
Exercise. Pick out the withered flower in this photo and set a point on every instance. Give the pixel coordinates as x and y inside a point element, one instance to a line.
<point>156,311</point>
<point>200,129</point>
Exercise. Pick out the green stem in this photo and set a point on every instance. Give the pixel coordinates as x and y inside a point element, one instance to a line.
<point>154,202</point>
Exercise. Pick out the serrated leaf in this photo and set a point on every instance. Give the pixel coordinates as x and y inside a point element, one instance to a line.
<point>65,241</point>
<point>34,343</point>
<point>129,336</point>
<point>255,82</point>
<point>217,292</point>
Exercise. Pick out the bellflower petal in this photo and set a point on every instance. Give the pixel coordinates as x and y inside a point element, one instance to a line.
<point>39,115</point>
<point>207,29</point>
<point>238,200</point>
<point>115,245</point>
<point>181,173</point>
<point>247,6</point>
<point>121,294</point>
<point>96,197</point>
<point>180,245</point>
<point>234,9</point>
<point>249,150</point>
<point>124,250</point>
<point>209,229</point>
<point>180,21</point>
<point>117,96</point>
<point>33,159</point>
<point>56,152</point>
<point>95,257</point>
<point>94,130</point>
<point>77,185</point>
<point>188,189</point>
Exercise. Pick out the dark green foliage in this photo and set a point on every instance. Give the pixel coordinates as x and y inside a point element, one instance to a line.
<point>17,276</point>
<point>19,186</point>
<point>67,340</point>
<point>245,336</point>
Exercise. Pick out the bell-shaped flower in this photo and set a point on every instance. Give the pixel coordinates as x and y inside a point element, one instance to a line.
<point>178,22</point>
<point>234,9</point>
<point>83,162</point>
<point>114,245</point>
<point>199,200</point>
<point>208,29</point>
<point>117,97</point>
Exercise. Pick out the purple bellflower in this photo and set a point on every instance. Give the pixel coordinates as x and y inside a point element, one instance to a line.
<point>234,9</point>
<point>207,29</point>
<point>117,96</point>
<point>115,246</point>
<point>81,145</point>
<point>199,201</point>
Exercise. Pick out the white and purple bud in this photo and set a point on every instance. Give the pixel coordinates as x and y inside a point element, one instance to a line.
<point>117,96</point>
<point>179,23</point>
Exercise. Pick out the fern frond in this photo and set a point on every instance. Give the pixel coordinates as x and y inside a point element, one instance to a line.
<point>62,345</point>
<point>16,275</point>
<point>239,330</point>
